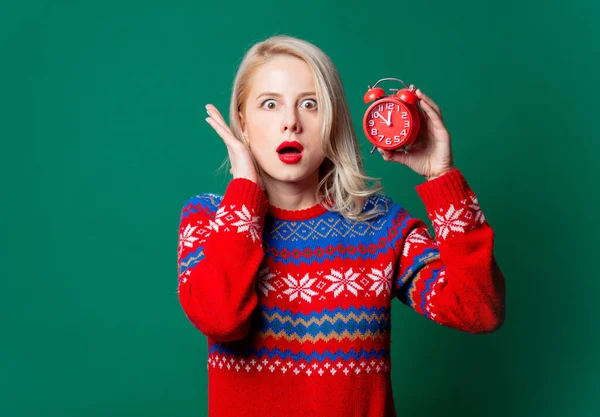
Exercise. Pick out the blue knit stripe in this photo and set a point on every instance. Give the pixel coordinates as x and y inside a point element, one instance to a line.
<point>406,281</point>
<point>191,259</point>
<point>207,201</point>
<point>229,349</point>
<point>428,283</point>
<point>358,324</point>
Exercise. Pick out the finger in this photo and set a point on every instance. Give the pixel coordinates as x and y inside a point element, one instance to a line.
<point>215,114</point>
<point>218,121</point>
<point>426,99</point>
<point>230,141</point>
<point>221,131</point>
<point>216,117</point>
<point>394,155</point>
<point>431,112</point>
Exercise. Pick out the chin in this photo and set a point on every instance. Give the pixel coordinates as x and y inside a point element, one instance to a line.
<point>290,173</point>
<point>290,176</point>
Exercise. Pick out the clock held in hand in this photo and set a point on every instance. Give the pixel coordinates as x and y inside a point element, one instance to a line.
<point>392,121</point>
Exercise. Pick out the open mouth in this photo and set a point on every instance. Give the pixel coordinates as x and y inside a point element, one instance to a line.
<point>290,155</point>
<point>289,151</point>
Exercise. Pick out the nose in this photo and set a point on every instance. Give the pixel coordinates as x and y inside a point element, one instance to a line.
<point>291,123</point>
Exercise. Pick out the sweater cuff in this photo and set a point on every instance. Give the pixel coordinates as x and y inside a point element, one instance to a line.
<point>247,192</point>
<point>442,191</point>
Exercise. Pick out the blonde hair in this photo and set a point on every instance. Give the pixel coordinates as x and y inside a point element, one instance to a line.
<point>342,177</point>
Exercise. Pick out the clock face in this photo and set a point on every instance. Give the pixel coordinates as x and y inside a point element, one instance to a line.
<point>388,123</point>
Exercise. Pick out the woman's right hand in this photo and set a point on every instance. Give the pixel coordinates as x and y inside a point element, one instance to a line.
<point>242,160</point>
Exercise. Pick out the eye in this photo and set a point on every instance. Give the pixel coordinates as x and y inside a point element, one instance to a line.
<point>313,104</point>
<point>270,106</point>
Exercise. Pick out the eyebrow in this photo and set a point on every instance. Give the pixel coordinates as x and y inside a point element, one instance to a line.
<point>310,93</point>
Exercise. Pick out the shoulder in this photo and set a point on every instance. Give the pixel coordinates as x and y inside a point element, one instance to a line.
<point>385,204</point>
<point>207,203</point>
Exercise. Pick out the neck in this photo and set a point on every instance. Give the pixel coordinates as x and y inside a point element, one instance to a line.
<point>297,195</point>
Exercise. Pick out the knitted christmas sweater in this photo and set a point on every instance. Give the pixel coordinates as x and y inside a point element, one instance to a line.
<point>296,304</point>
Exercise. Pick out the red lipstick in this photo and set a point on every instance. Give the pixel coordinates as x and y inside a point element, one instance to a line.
<point>290,152</point>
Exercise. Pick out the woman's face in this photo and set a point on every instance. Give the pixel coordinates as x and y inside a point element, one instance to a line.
<point>281,106</point>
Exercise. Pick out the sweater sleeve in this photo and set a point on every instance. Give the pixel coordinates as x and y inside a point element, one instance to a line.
<point>219,252</point>
<point>453,280</point>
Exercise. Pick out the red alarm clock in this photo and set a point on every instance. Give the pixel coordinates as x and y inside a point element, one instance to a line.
<point>392,121</point>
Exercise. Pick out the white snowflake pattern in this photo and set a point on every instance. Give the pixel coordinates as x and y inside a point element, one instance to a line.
<point>418,235</point>
<point>186,238</point>
<point>214,224</point>
<point>479,216</point>
<point>382,279</point>
<point>263,281</point>
<point>248,223</point>
<point>301,288</point>
<point>341,281</point>
<point>451,221</point>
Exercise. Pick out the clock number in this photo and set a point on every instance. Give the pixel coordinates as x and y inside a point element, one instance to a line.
<point>390,106</point>
<point>380,108</point>
<point>380,137</point>
<point>406,123</point>
<point>388,141</point>
<point>371,122</point>
<point>373,132</point>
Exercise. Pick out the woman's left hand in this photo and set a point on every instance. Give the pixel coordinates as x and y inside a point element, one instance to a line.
<point>431,154</point>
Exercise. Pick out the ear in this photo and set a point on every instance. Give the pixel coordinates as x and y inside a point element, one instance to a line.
<point>243,124</point>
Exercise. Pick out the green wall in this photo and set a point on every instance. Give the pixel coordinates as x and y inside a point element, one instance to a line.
<point>103,140</point>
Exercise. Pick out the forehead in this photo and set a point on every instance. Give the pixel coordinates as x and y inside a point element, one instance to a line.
<point>286,75</point>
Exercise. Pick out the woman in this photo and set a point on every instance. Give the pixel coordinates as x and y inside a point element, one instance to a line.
<point>290,274</point>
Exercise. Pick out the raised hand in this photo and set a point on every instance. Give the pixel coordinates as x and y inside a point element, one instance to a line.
<point>240,155</point>
<point>431,156</point>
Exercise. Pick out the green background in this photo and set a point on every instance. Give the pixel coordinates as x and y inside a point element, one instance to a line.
<point>104,139</point>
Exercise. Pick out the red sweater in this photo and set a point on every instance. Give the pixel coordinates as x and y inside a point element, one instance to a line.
<point>296,305</point>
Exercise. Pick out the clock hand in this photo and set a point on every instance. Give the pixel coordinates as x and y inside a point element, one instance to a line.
<point>386,121</point>
<point>389,120</point>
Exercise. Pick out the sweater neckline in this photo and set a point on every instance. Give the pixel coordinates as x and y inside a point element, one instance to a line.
<point>302,214</point>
